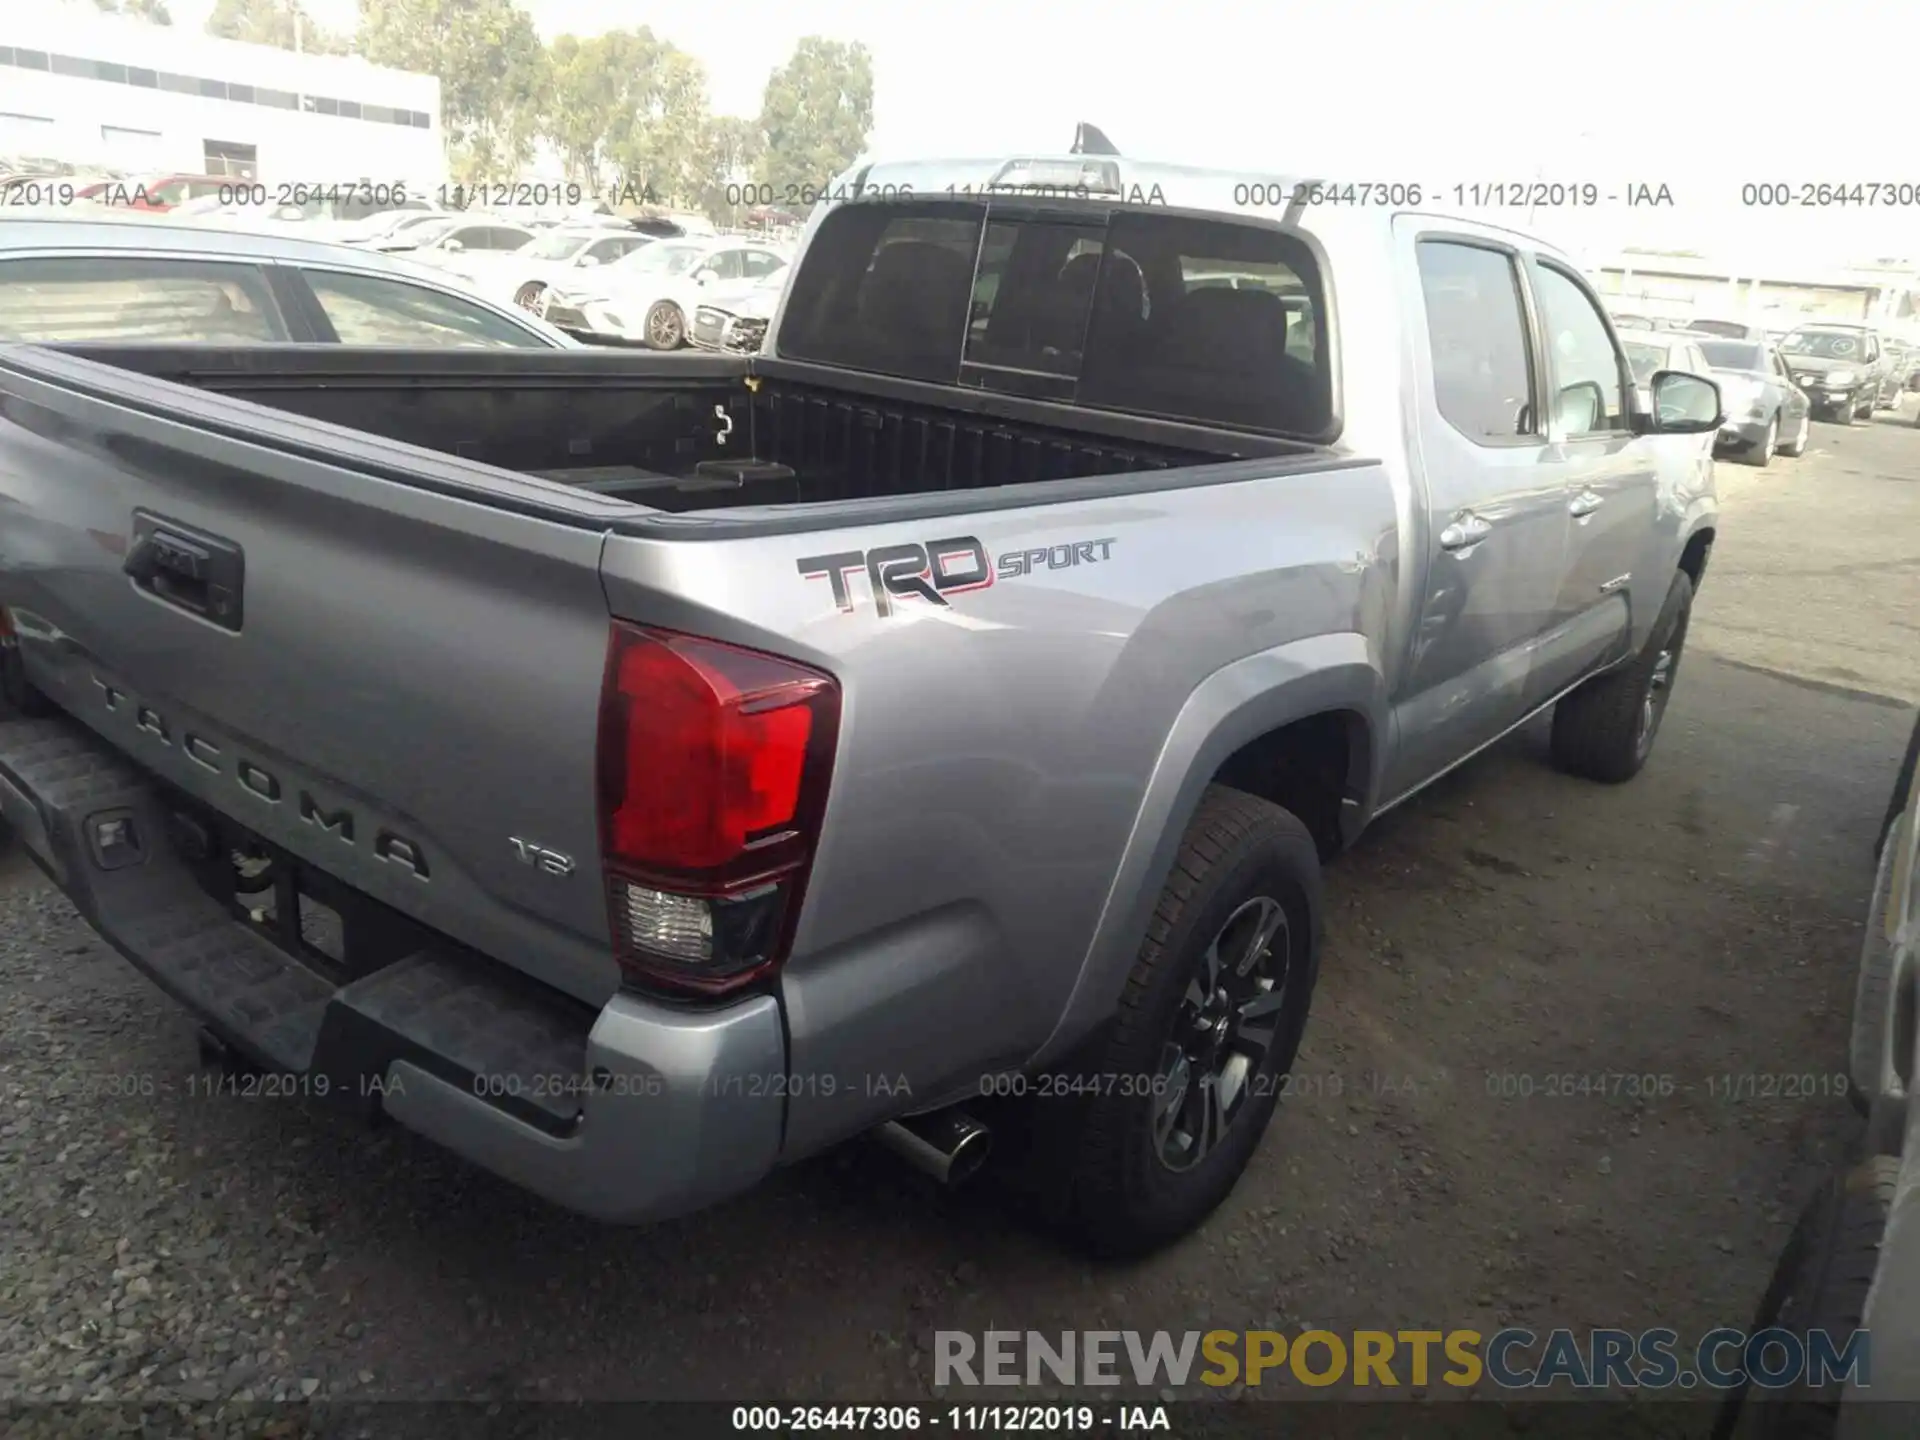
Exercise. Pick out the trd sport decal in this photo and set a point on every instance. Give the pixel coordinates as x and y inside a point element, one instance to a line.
<point>940,568</point>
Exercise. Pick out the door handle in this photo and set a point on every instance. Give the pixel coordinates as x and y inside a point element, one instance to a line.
<point>1465,533</point>
<point>1585,503</point>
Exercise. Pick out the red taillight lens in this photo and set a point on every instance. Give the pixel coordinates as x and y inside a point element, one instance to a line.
<point>714,762</point>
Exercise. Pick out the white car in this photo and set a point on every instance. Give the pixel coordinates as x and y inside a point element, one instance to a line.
<point>647,297</point>
<point>434,242</point>
<point>555,257</point>
<point>733,319</point>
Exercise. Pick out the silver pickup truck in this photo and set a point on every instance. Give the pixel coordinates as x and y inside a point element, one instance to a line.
<point>638,772</point>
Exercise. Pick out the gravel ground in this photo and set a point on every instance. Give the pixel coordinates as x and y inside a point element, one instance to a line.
<point>162,1241</point>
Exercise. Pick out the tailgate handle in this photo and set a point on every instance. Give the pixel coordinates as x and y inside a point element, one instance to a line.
<point>186,568</point>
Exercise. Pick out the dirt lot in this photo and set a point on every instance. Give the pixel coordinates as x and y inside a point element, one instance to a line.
<point>1509,931</point>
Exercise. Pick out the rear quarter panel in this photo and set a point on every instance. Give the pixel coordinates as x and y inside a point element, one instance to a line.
<point>995,753</point>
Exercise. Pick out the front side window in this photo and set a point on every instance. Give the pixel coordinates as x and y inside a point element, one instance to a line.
<point>604,252</point>
<point>138,298</point>
<point>1477,340</point>
<point>760,262</point>
<point>375,310</point>
<point>1590,397</point>
<point>1644,359</point>
<point>500,237</point>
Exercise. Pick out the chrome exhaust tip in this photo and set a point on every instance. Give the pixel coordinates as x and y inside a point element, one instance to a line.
<point>949,1145</point>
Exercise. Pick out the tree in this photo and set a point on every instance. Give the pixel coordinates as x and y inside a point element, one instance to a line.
<point>151,10</point>
<point>284,23</point>
<point>493,71</point>
<point>815,115</point>
<point>730,151</point>
<point>655,141</point>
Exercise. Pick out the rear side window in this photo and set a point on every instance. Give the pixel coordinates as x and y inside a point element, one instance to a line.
<point>1477,337</point>
<point>1198,319</point>
<point>371,310</point>
<point>126,297</point>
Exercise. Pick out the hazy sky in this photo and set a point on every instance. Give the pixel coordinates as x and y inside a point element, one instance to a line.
<point>1699,97</point>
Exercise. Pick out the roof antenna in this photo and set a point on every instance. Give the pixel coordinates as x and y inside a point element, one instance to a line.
<point>1091,140</point>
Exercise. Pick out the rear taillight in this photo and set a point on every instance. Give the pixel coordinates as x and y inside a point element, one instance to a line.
<point>713,772</point>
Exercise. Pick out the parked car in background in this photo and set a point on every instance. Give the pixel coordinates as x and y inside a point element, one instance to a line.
<point>436,244</point>
<point>1727,329</point>
<point>1766,413</point>
<point>1903,364</point>
<point>64,280</point>
<point>734,318</point>
<point>1664,350</point>
<point>1852,1264</point>
<point>1841,367</point>
<point>647,297</point>
<point>389,224</point>
<point>554,257</point>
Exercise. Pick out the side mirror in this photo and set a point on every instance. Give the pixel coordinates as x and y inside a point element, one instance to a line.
<point>1683,404</point>
<point>703,276</point>
<point>453,246</point>
<point>587,262</point>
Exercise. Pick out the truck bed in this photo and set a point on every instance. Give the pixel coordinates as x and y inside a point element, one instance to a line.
<point>691,432</point>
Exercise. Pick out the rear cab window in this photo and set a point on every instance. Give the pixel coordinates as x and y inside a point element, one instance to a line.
<point>70,298</point>
<point>1209,320</point>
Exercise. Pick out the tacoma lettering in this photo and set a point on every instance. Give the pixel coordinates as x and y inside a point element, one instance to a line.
<point>258,781</point>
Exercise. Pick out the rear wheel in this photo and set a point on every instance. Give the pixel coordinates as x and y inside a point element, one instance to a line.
<point>1798,446</point>
<point>1821,1283</point>
<point>1605,730</point>
<point>1173,1097</point>
<point>1761,455</point>
<point>666,326</point>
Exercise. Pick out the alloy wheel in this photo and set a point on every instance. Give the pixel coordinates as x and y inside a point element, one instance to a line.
<point>1653,707</point>
<point>1223,1033</point>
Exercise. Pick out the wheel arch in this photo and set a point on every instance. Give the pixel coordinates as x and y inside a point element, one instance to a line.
<point>1323,692</point>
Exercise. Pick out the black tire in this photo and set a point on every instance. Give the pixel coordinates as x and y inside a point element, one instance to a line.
<point>527,297</point>
<point>1902,786</point>
<point>1102,1173</point>
<point>1848,416</point>
<point>1605,729</point>
<point>1799,446</point>
<point>665,328</point>
<point>1873,987</point>
<point>1820,1283</point>
<point>1761,455</point>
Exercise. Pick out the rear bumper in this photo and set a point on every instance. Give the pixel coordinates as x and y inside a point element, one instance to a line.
<point>636,1112</point>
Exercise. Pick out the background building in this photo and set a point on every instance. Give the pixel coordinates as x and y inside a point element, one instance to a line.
<point>1776,294</point>
<point>132,98</point>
